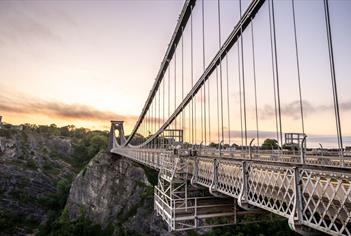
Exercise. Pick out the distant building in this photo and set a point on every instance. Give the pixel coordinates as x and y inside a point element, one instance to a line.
<point>294,140</point>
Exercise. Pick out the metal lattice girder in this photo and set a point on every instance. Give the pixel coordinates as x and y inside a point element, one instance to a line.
<point>326,200</point>
<point>230,178</point>
<point>271,188</point>
<point>315,197</point>
<point>185,207</point>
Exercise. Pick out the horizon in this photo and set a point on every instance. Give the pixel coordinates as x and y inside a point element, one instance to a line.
<point>313,140</point>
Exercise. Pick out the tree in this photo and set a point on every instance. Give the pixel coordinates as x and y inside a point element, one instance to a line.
<point>234,145</point>
<point>270,144</point>
<point>213,145</point>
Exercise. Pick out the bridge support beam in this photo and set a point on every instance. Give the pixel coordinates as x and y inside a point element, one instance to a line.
<point>184,206</point>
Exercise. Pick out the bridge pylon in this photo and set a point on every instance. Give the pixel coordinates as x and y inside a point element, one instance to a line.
<point>119,126</point>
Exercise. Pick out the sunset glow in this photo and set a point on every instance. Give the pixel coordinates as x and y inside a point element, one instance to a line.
<point>86,63</point>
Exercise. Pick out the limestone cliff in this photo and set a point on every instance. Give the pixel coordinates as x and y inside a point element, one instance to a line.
<point>29,172</point>
<point>114,191</point>
<point>37,165</point>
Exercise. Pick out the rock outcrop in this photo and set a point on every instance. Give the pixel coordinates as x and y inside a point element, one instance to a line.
<point>114,191</point>
<point>30,168</point>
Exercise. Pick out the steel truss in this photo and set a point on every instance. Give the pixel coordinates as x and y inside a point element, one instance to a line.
<point>186,207</point>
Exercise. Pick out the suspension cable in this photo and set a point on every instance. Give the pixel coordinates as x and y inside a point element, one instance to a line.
<point>228,116</point>
<point>240,100</point>
<point>155,106</point>
<point>298,67</point>
<point>209,112</point>
<point>277,78</point>
<point>148,122</point>
<point>169,91</point>
<point>272,57</point>
<point>204,64</point>
<point>333,78</point>
<point>163,110</point>
<point>201,100</point>
<point>151,123</point>
<point>159,114</point>
<point>182,42</point>
<point>220,68</point>
<point>254,74</point>
<point>243,76</point>
<point>163,102</point>
<point>175,83</point>
<point>217,94</point>
<point>192,75</point>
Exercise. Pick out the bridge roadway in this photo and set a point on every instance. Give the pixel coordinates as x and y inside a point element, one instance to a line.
<point>321,199</point>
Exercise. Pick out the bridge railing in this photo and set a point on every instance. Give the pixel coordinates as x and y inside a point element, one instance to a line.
<point>315,196</point>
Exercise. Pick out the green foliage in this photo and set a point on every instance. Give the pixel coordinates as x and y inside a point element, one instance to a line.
<point>86,144</point>
<point>213,145</point>
<point>56,201</point>
<point>275,226</point>
<point>7,132</point>
<point>270,143</point>
<point>191,233</point>
<point>24,147</point>
<point>87,147</point>
<point>31,164</point>
<point>9,223</point>
<point>151,175</point>
<point>81,226</point>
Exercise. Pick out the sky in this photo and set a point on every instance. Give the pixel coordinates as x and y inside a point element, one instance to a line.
<point>78,62</point>
<point>89,62</point>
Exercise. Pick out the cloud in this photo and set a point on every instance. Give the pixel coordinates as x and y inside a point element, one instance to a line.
<point>251,134</point>
<point>58,110</point>
<point>18,26</point>
<point>293,109</point>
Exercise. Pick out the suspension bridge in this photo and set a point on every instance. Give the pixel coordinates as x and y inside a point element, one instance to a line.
<point>202,125</point>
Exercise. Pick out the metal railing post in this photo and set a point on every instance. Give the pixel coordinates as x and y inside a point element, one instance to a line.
<point>250,154</point>
<point>242,198</point>
<point>220,148</point>
<point>195,171</point>
<point>302,150</point>
<point>294,223</point>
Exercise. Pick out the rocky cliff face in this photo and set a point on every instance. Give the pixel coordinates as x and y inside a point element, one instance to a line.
<point>113,191</point>
<point>29,171</point>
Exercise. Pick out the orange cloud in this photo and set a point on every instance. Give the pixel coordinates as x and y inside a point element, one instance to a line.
<point>58,110</point>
